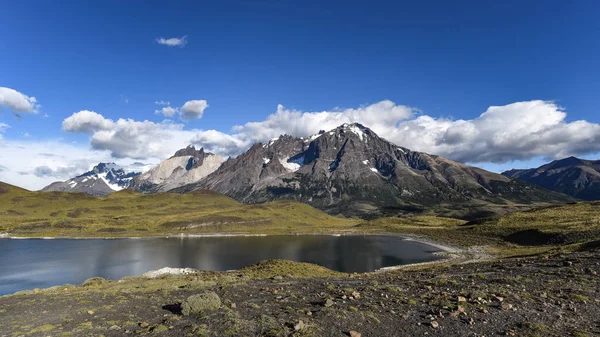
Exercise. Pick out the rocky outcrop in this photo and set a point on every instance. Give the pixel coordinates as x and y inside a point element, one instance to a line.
<point>187,166</point>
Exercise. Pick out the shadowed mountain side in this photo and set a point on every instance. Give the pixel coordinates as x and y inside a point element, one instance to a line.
<point>573,176</point>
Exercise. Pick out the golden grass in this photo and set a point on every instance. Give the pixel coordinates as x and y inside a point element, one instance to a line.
<point>127,213</point>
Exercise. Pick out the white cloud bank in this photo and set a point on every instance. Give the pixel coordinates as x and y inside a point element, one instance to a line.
<point>18,102</point>
<point>173,41</point>
<point>517,131</point>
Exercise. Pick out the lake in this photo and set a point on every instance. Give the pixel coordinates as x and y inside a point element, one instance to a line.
<point>38,263</point>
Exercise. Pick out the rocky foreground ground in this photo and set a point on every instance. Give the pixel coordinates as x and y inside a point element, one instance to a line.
<point>555,295</point>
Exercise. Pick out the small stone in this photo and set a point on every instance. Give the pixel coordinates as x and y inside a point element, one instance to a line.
<point>355,294</point>
<point>299,326</point>
<point>353,333</point>
<point>309,313</point>
<point>114,328</point>
<point>278,277</point>
<point>144,324</point>
<point>329,302</point>
<point>506,306</point>
<point>233,306</point>
<point>434,324</point>
<point>90,312</point>
<point>500,299</point>
<point>461,299</point>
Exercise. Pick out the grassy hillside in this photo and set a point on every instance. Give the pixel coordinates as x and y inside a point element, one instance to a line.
<point>569,226</point>
<point>128,213</point>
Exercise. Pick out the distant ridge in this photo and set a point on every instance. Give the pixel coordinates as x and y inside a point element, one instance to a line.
<point>101,180</point>
<point>576,177</point>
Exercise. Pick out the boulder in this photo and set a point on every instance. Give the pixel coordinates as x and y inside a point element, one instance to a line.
<point>199,303</point>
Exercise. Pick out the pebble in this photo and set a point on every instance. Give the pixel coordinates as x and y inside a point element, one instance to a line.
<point>299,326</point>
<point>353,333</point>
<point>328,303</point>
<point>434,324</point>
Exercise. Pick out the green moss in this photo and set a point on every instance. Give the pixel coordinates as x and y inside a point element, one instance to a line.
<point>160,328</point>
<point>43,328</point>
<point>271,268</point>
<point>86,325</point>
<point>577,297</point>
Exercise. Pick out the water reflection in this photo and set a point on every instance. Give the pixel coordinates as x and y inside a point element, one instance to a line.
<point>28,264</point>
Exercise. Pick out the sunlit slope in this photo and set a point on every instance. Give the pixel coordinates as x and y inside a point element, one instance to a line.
<point>560,225</point>
<point>127,213</point>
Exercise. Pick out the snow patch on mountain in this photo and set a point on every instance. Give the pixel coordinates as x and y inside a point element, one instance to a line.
<point>292,165</point>
<point>357,131</point>
<point>114,187</point>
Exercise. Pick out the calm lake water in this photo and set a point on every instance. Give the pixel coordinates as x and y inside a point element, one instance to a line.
<point>36,263</point>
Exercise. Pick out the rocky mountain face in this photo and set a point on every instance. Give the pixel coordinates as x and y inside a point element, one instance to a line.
<point>573,176</point>
<point>352,171</point>
<point>101,180</point>
<point>186,166</point>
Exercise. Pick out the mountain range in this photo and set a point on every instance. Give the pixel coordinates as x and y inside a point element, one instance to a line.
<point>348,171</point>
<point>101,180</point>
<point>573,176</point>
<point>352,171</point>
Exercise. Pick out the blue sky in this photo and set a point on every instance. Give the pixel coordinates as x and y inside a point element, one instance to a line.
<point>440,59</point>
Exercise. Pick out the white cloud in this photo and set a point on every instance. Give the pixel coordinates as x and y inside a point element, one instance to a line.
<point>18,102</point>
<point>3,128</point>
<point>193,109</point>
<point>173,41</point>
<point>49,161</point>
<point>381,117</point>
<point>516,131</point>
<point>166,111</point>
<point>86,122</point>
<point>161,102</point>
<point>127,138</point>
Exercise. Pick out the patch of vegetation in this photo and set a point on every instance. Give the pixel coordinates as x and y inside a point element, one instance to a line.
<point>273,268</point>
<point>125,213</point>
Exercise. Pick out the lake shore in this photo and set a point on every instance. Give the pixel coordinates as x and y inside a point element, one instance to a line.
<point>500,297</point>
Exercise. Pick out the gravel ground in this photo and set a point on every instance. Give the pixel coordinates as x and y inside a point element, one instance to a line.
<point>538,296</point>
